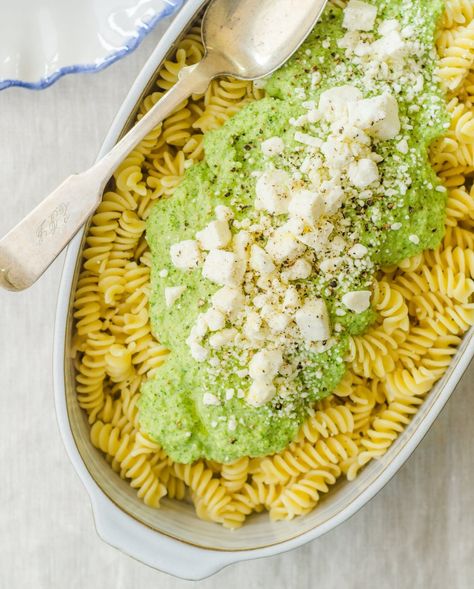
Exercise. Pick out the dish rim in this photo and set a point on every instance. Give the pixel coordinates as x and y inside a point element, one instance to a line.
<point>142,31</point>
<point>111,520</point>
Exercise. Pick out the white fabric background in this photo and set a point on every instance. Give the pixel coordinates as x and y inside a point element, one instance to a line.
<point>417,533</point>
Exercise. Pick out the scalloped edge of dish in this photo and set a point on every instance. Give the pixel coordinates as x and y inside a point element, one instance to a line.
<point>130,45</point>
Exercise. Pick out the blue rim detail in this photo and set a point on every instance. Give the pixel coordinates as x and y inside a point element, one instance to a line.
<point>130,45</point>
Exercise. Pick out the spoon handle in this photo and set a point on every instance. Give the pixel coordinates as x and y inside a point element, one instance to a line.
<point>32,245</point>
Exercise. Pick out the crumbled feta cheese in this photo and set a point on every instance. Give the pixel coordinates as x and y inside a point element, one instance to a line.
<point>414,239</point>
<point>402,146</point>
<point>300,270</point>
<point>306,205</point>
<point>291,300</point>
<point>260,392</point>
<point>313,116</point>
<point>357,301</point>
<point>228,300</point>
<point>278,322</point>
<point>260,260</point>
<point>222,268</point>
<point>222,338</point>
<point>163,273</point>
<point>387,26</point>
<point>198,352</point>
<point>313,321</point>
<point>232,424</point>
<point>272,190</point>
<point>224,213</point>
<point>334,102</point>
<point>317,239</point>
<point>358,251</point>
<point>390,46</point>
<point>265,364</point>
<point>240,245</point>
<point>172,294</point>
<point>396,226</point>
<point>283,245</point>
<point>229,394</point>
<point>185,255</point>
<point>359,16</point>
<point>200,328</point>
<point>253,327</point>
<point>363,173</point>
<point>378,116</point>
<point>273,146</point>
<point>216,235</point>
<point>214,319</point>
<point>333,200</point>
<point>210,399</point>
<point>308,140</point>
<point>330,265</point>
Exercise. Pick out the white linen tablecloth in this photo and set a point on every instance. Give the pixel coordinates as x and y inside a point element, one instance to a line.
<point>417,533</point>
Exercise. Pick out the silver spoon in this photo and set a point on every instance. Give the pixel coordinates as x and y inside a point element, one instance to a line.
<point>247,39</point>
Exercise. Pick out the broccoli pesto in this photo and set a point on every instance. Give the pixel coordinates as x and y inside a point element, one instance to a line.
<point>264,258</point>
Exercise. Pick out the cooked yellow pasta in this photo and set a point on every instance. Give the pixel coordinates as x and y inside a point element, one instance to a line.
<point>423,308</point>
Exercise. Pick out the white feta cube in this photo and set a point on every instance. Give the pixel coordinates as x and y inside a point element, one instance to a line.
<point>333,200</point>
<point>265,364</point>
<point>306,205</point>
<point>389,25</point>
<point>224,213</point>
<point>403,146</point>
<point>222,338</point>
<point>185,255</point>
<point>210,399</point>
<point>278,322</point>
<point>198,352</point>
<point>260,261</point>
<point>283,245</point>
<point>214,319</point>
<point>240,245</point>
<point>358,251</point>
<point>334,102</point>
<point>330,265</point>
<point>227,299</point>
<point>260,393</point>
<point>253,329</point>
<point>172,294</point>
<point>273,146</point>
<point>359,16</point>
<point>357,301</point>
<point>338,245</point>
<point>390,46</point>
<point>200,328</point>
<point>300,270</point>
<point>272,192</point>
<point>318,238</point>
<point>222,268</point>
<point>215,236</point>
<point>313,321</point>
<point>291,300</point>
<point>363,173</point>
<point>378,116</point>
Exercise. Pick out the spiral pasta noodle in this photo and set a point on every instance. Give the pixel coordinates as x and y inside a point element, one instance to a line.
<point>423,306</point>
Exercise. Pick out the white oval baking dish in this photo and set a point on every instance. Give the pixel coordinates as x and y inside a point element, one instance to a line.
<point>173,539</point>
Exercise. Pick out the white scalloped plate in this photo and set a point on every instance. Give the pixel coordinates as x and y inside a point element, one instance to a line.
<point>43,41</point>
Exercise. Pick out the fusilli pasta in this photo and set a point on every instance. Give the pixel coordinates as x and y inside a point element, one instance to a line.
<point>423,308</point>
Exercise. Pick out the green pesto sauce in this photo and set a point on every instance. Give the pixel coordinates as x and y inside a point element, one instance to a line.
<point>171,407</point>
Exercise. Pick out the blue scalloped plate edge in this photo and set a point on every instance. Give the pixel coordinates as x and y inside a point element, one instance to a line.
<point>130,46</point>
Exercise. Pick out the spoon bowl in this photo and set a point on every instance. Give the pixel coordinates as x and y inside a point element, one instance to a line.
<point>253,38</point>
